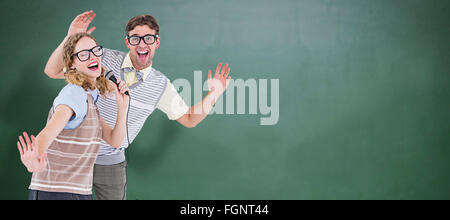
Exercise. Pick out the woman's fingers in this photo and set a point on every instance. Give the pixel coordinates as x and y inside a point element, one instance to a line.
<point>33,143</point>
<point>24,146</point>
<point>125,90</point>
<point>42,157</point>
<point>27,139</point>
<point>20,148</point>
<point>116,87</point>
<point>123,87</point>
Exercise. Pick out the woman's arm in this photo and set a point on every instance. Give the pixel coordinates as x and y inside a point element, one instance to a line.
<point>33,152</point>
<point>56,124</point>
<point>114,137</point>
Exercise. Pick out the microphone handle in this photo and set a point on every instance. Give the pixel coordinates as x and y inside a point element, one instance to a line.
<point>113,79</point>
<point>126,92</point>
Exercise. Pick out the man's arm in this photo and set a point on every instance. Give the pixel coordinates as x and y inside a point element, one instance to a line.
<point>55,64</point>
<point>198,112</point>
<point>217,86</point>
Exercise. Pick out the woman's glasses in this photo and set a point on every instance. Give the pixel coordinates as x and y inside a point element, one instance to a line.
<point>86,54</point>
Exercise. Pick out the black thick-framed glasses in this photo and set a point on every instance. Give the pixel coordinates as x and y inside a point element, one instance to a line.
<point>149,39</point>
<point>86,54</point>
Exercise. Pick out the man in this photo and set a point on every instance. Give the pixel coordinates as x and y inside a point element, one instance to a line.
<point>149,89</point>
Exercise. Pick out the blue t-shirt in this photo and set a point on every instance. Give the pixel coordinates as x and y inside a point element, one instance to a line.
<point>76,98</point>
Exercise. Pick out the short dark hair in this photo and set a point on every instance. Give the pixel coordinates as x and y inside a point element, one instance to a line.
<point>148,20</point>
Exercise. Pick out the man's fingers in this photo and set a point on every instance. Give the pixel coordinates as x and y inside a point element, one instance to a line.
<point>226,73</point>
<point>78,18</point>
<point>224,69</point>
<point>86,16</point>
<point>81,17</point>
<point>91,30</point>
<point>92,16</point>
<point>218,69</point>
<point>209,74</point>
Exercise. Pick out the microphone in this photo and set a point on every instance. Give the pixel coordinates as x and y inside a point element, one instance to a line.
<point>110,75</point>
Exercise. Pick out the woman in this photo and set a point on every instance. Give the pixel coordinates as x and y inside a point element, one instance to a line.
<point>62,156</point>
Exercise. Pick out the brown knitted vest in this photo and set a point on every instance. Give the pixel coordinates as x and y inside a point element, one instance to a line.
<point>71,157</point>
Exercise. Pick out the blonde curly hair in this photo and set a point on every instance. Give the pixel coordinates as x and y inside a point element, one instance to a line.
<point>75,77</point>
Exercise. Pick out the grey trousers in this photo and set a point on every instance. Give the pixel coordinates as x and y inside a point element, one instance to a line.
<point>110,181</point>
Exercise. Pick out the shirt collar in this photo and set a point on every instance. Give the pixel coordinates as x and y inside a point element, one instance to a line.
<point>127,63</point>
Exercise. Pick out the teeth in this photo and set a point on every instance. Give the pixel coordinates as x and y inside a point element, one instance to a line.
<point>142,52</point>
<point>93,64</point>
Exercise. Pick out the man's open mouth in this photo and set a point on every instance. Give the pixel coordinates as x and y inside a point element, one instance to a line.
<point>142,54</point>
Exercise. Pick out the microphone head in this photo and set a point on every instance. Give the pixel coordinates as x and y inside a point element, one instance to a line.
<point>110,75</point>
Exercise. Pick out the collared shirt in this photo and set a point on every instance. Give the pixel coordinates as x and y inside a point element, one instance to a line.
<point>170,103</point>
<point>130,77</point>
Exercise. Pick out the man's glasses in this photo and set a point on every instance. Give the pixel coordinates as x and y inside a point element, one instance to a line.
<point>149,39</point>
<point>86,54</point>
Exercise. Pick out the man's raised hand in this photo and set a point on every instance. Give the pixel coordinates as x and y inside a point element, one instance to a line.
<point>81,23</point>
<point>218,83</point>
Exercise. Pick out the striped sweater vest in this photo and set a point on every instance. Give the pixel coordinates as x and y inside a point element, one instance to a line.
<point>71,157</point>
<point>145,96</point>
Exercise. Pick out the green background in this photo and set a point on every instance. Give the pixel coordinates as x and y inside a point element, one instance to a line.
<point>364,96</point>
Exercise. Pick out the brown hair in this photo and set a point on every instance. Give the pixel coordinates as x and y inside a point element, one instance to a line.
<point>148,20</point>
<point>75,77</point>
